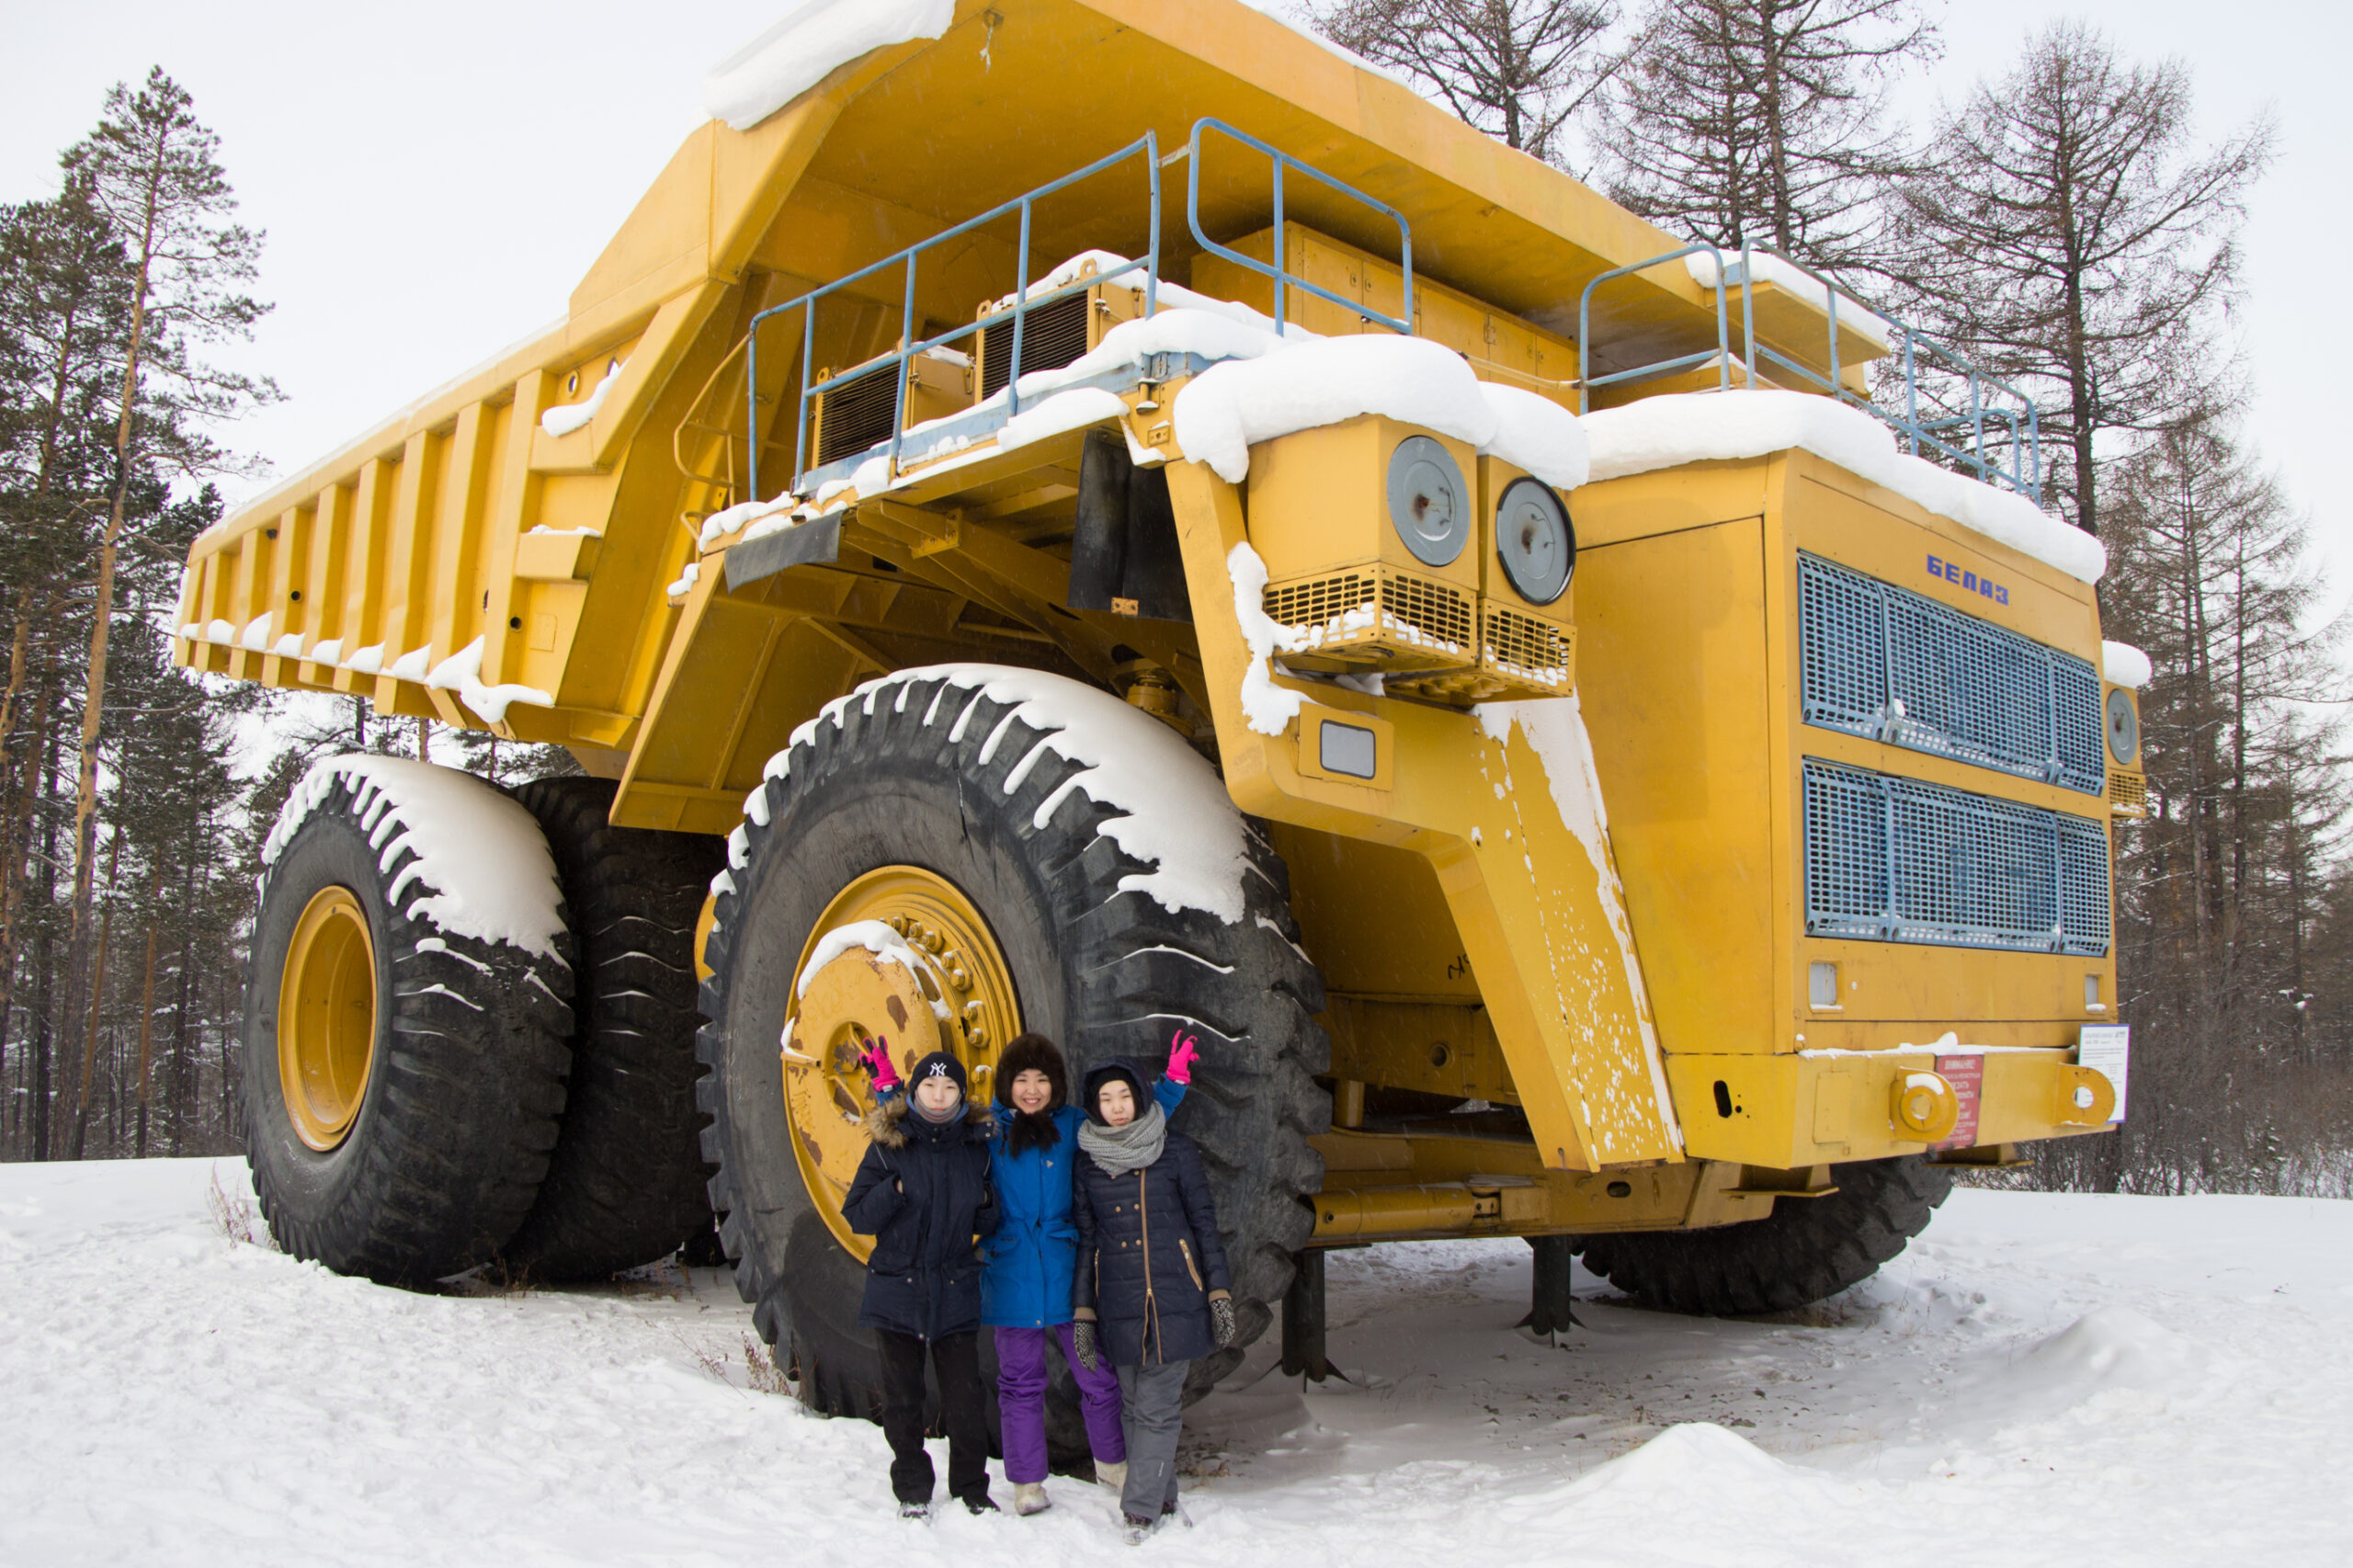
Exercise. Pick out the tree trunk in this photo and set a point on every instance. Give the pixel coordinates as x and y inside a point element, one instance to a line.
<point>147,1010</point>
<point>11,858</point>
<point>44,948</point>
<point>178,1094</point>
<point>86,788</point>
<point>98,1001</point>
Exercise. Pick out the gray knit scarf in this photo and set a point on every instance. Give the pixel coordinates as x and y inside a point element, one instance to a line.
<point>1119,1150</point>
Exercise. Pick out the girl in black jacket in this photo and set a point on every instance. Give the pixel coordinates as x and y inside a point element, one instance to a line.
<point>1152,1292</point>
<point>922,1192</point>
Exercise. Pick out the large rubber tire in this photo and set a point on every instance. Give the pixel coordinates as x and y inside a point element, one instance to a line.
<point>1806,1250</point>
<point>889,781</point>
<point>459,1115</point>
<point>627,1184</point>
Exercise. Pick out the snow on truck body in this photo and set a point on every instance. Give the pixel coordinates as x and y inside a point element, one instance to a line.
<point>1673,769</point>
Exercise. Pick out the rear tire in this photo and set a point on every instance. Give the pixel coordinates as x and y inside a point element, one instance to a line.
<point>1806,1250</point>
<point>919,777</point>
<point>457,1113</point>
<point>626,1185</point>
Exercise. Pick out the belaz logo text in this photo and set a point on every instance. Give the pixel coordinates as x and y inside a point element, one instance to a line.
<point>1968,581</point>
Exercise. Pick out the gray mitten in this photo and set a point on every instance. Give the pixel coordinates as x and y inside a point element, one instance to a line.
<point>1222,1318</point>
<point>1082,1334</point>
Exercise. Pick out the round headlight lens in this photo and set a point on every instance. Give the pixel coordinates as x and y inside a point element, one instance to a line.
<point>1535,541</point>
<point>2123,728</point>
<point>1428,505</point>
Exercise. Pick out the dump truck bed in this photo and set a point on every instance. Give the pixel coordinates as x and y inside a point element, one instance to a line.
<point>474,517</point>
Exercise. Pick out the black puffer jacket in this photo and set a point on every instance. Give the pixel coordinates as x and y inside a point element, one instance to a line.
<point>1148,1249</point>
<point>922,1192</point>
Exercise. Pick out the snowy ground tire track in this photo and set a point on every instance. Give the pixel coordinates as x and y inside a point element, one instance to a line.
<point>1808,1250</point>
<point>453,1132</point>
<point>897,779</point>
<point>626,1185</point>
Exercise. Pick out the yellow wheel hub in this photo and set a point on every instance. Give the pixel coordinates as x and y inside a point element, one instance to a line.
<point>939,983</point>
<point>326,1017</point>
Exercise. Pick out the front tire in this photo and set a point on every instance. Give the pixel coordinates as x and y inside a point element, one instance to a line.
<point>948,771</point>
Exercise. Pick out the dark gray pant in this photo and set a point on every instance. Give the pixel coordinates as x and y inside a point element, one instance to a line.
<point>1151,1414</point>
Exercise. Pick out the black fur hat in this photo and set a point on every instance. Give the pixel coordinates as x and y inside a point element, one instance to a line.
<point>1024,1053</point>
<point>1033,1053</point>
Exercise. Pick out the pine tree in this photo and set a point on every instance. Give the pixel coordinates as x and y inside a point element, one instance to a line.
<point>1520,70</point>
<point>2064,233</point>
<point>150,171</point>
<point>1763,122</point>
<point>2222,889</point>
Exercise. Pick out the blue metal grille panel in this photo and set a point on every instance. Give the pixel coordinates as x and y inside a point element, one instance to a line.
<point>1885,663</point>
<point>1893,860</point>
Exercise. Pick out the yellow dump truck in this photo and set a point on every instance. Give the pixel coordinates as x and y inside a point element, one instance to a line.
<point>1096,517</point>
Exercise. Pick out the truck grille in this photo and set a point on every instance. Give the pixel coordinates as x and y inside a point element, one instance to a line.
<point>1884,661</point>
<point>1389,615</point>
<point>1536,652</point>
<point>1893,859</point>
<point>2128,793</point>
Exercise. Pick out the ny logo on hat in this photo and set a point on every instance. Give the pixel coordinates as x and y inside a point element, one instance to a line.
<point>939,1070</point>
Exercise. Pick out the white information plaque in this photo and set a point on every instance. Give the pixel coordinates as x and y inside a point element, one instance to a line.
<point>2109,1048</point>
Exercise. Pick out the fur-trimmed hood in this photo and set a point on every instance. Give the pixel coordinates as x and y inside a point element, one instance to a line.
<point>885,1124</point>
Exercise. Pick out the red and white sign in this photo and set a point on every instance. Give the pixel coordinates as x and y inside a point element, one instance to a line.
<point>1967,1077</point>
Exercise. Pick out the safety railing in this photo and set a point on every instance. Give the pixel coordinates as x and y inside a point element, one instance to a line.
<point>1146,147</point>
<point>2020,432</point>
<point>1278,272</point>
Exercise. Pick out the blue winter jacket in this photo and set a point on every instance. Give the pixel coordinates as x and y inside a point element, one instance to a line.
<point>1032,1257</point>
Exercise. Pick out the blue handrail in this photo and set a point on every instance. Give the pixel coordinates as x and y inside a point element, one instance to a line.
<point>2024,473</point>
<point>1147,146</point>
<point>1587,380</point>
<point>1281,276</point>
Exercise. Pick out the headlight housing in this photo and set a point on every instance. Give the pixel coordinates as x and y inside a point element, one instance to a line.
<point>1536,544</point>
<point>1429,504</point>
<point>2123,727</point>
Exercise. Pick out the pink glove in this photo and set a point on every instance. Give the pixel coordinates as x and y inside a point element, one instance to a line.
<point>1184,1050</point>
<point>877,1057</point>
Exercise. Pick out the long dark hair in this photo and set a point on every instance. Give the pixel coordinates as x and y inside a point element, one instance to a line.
<point>1025,1053</point>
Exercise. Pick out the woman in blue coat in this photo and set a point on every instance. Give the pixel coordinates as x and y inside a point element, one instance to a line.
<point>1027,1280</point>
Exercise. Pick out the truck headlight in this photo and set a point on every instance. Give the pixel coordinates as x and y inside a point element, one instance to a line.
<point>1429,504</point>
<point>2123,727</point>
<point>1534,541</point>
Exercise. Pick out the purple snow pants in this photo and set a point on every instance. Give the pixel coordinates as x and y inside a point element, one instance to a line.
<point>1022,1401</point>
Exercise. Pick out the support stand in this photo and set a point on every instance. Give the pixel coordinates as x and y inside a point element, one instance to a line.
<point>1553,1308</point>
<point>1303,1321</point>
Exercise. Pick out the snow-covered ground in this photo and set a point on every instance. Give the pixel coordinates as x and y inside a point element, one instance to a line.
<point>2041,1379</point>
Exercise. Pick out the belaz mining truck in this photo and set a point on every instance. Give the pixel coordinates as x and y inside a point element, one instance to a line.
<point>1096,517</point>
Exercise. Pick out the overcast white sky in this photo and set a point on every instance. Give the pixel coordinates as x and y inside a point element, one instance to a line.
<point>436,175</point>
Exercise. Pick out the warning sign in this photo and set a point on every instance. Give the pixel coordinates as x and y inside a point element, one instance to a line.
<point>1967,1077</point>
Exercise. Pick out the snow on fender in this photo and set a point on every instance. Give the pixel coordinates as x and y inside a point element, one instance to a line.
<point>480,866</point>
<point>1175,813</point>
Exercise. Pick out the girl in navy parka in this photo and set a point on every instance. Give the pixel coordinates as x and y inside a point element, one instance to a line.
<point>922,1192</point>
<point>1150,1292</point>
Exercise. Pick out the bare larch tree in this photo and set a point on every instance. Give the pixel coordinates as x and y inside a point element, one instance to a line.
<point>2063,232</point>
<point>1764,122</point>
<point>1520,70</point>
